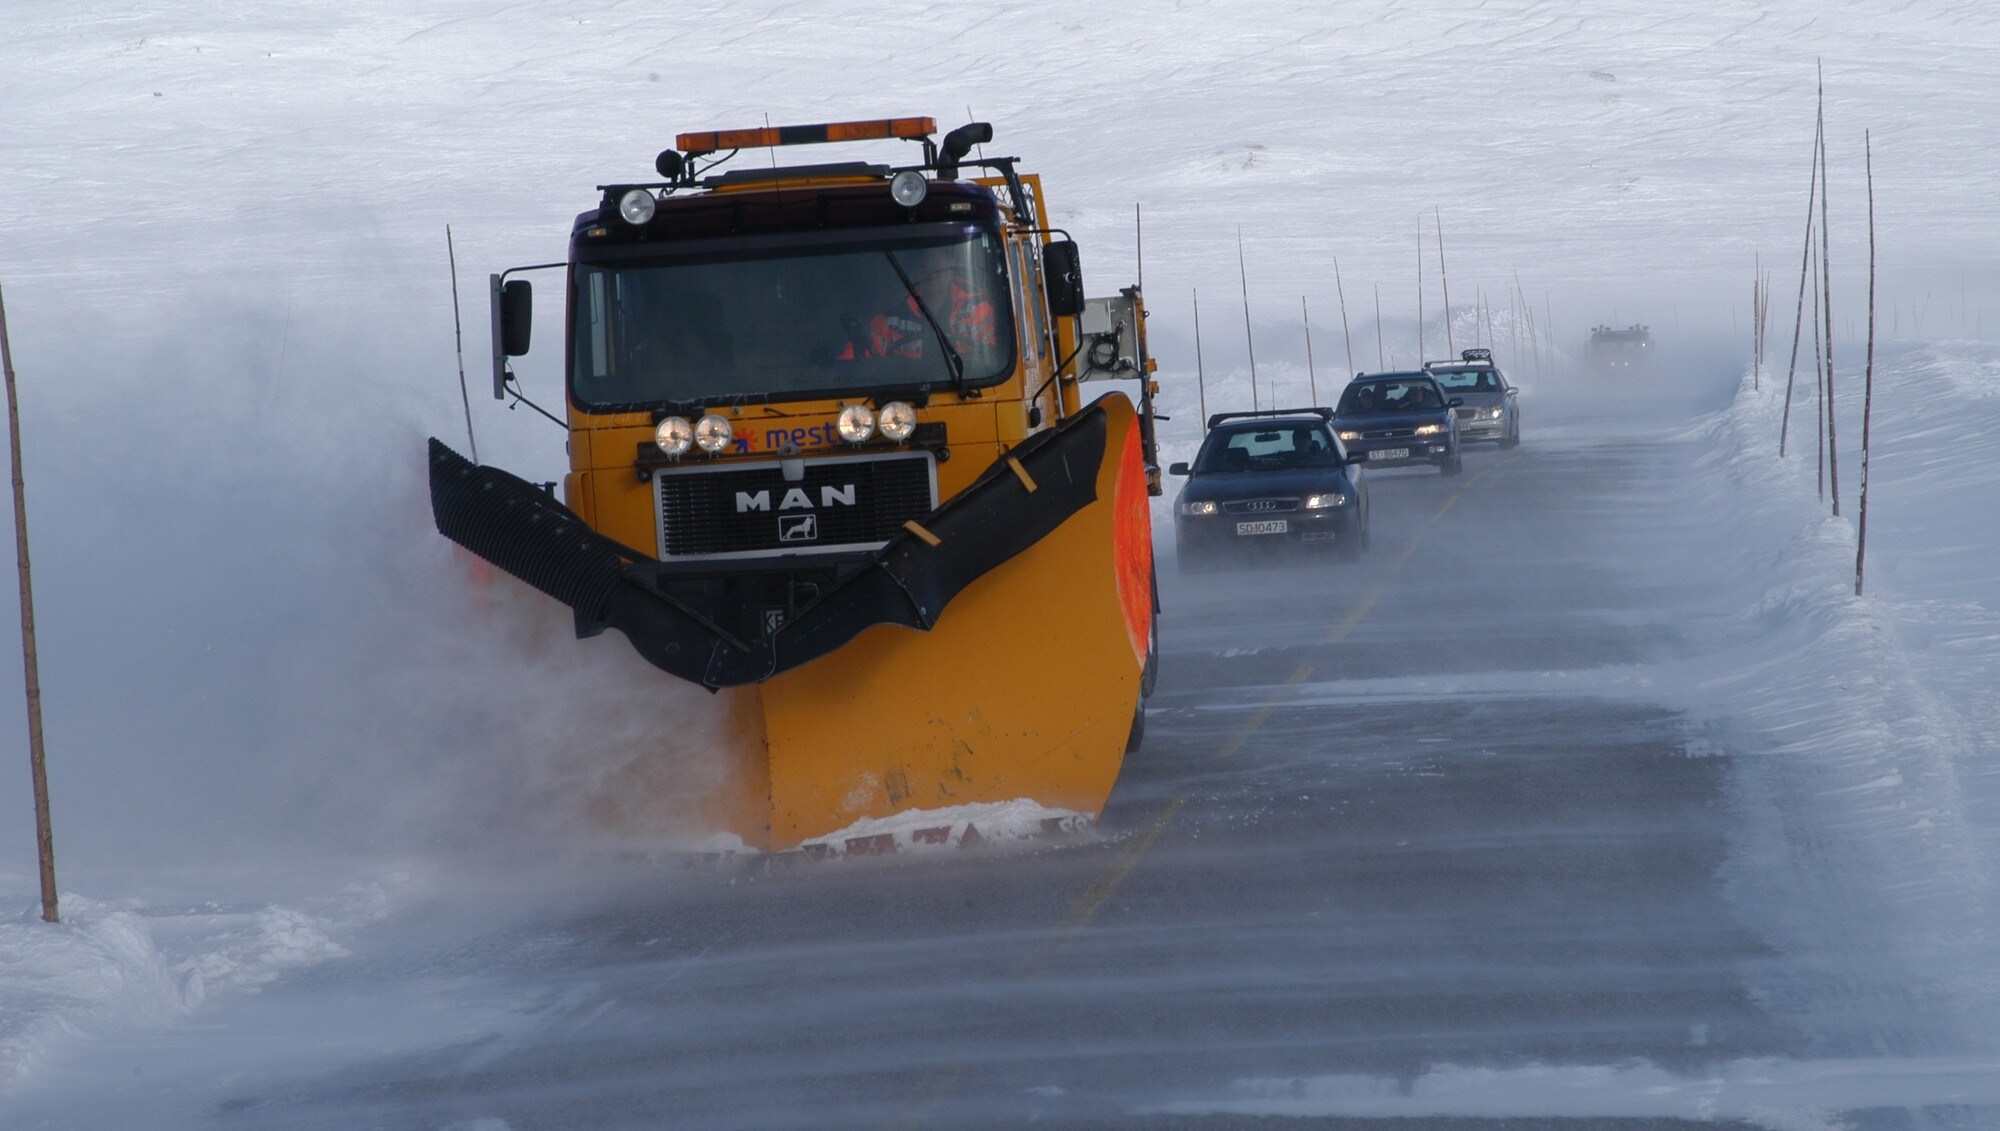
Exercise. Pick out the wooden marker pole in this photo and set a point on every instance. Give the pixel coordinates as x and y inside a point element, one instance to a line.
<point>1868,382</point>
<point>31,669</point>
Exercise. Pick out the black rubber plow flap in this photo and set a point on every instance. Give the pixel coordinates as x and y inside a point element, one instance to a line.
<point>521,529</point>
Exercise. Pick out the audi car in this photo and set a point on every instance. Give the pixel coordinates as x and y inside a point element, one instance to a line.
<point>1277,480</point>
<point>1400,420</point>
<point>1490,411</point>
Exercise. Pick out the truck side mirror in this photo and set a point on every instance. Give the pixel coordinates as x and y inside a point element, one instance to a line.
<point>513,309</point>
<point>1065,278</point>
<point>517,314</point>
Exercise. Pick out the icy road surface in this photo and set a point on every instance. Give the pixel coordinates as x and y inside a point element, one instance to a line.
<point>1431,835</point>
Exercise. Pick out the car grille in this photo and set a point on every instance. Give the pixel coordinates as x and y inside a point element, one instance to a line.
<point>1261,506</point>
<point>1388,433</point>
<point>1466,413</point>
<point>839,504</point>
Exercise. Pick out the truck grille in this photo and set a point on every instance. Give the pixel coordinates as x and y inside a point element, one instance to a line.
<point>840,504</point>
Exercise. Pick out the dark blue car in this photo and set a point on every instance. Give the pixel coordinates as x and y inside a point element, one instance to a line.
<point>1273,480</point>
<point>1400,419</point>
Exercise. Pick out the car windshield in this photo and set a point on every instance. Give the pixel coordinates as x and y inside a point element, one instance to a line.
<point>1269,448</point>
<point>783,318</point>
<point>1413,395</point>
<point>1468,380</point>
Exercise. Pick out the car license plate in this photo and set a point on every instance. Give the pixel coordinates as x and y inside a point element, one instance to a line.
<point>1268,526</point>
<point>1390,453</point>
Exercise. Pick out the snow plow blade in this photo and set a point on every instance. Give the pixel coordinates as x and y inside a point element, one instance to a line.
<point>525,531</point>
<point>1029,593</point>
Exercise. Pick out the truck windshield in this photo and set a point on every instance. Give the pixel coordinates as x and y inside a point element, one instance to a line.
<point>783,318</point>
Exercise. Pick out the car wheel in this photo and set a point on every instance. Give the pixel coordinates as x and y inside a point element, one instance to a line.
<point>1454,466</point>
<point>1513,436</point>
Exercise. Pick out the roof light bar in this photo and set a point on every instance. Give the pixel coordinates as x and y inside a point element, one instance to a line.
<point>913,129</point>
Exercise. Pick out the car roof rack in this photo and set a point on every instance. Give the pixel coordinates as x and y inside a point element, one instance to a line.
<point>1467,357</point>
<point>1320,411</point>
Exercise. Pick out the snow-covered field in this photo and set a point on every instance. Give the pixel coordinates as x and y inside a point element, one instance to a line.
<point>279,728</point>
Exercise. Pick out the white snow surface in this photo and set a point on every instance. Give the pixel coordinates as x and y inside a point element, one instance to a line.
<point>270,703</point>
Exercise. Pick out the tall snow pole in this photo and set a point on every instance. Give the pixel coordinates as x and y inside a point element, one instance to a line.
<point>30,667</point>
<point>1249,339</point>
<point>1345,333</point>
<point>1312,380</point>
<point>1799,319</point>
<point>1868,382</point>
<point>1450,348</point>
<point>1819,383</point>
<point>1420,291</point>
<point>1200,379</point>
<point>1380,362</point>
<point>1826,303</point>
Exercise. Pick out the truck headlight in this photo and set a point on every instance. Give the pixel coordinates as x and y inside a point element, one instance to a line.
<point>857,423</point>
<point>637,206</point>
<point>1430,429</point>
<point>1321,502</point>
<point>712,433</point>
<point>898,421</point>
<point>1202,507</point>
<point>674,435</point>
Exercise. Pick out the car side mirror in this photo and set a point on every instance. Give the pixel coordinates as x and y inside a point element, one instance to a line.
<point>1357,457</point>
<point>1064,268</point>
<point>1178,469</point>
<point>1513,391</point>
<point>1454,402</point>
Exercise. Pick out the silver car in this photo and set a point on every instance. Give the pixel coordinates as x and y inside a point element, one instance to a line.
<point>1490,410</point>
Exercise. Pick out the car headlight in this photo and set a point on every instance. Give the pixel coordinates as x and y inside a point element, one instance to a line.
<point>1321,502</point>
<point>1350,435</point>
<point>1430,429</point>
<point>712,433</point>
<point>857,423</point>
<point>674,435</point>
<point>637,206</point>
<point>898,420</point>
<point>1202,507</point>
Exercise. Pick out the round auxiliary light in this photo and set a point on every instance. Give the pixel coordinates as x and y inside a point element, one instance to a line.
<point>637,206</point>
<point>898,420</point>
<point>674,435</point>
<point>908,188</point>
<point>857,423</point>
<point>712,433</point>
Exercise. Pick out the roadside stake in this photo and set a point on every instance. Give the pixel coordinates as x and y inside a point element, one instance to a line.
<point>31,667</point>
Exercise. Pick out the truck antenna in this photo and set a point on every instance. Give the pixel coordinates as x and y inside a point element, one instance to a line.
<point>458,334</point>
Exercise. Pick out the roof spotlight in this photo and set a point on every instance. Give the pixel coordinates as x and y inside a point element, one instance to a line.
<point>637,206</point>
<point>908,188</point>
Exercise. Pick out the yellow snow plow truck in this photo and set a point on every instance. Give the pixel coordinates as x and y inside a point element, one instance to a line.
<point>835,455</point>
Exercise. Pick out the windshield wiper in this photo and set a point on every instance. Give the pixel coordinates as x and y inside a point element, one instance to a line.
<point>952,360</point>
